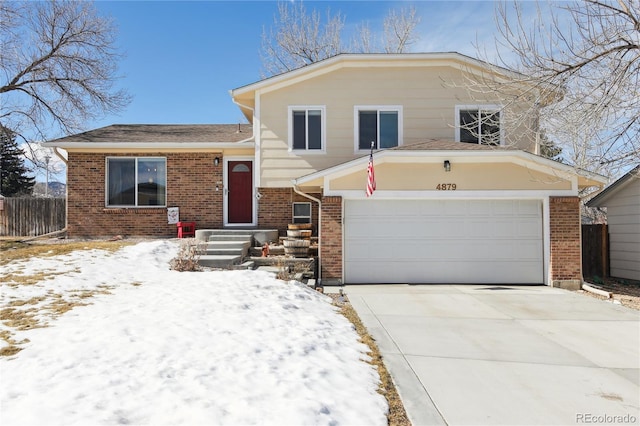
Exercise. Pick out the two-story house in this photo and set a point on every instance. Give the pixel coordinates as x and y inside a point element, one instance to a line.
<point>460,197</point>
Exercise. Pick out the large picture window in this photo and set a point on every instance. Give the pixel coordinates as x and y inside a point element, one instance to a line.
<point>478,125</point>
<point>136,182</point>
<point>306,128</point>
<point>380,125</point>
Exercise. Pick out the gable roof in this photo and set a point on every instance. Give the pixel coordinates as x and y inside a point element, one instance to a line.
<point>244,96</point>
<point>376,59</point>
<point>182,135</point>
<point>603,197</point>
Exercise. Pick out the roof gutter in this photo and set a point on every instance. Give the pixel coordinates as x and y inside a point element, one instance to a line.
<point>151,145</point>
<point>243,106</point>
<point>304,194</point>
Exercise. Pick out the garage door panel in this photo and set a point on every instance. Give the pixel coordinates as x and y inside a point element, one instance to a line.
<point>481,272</point>
<point>444,241</point>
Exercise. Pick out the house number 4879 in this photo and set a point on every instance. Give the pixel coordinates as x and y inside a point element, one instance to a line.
<point>446,187</point>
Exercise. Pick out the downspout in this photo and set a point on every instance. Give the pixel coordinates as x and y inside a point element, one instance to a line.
<point>299,192</point>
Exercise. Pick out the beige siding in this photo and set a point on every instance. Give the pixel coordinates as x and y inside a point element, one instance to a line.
<point>466,177</point>
<point>426,94</point>
<point>623,216</point>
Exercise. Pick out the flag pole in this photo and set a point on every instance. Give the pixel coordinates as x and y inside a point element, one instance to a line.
<point>371,179</point>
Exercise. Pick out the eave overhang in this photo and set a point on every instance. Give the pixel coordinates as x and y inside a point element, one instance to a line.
<point>157,146</point>
<point>584,179</point>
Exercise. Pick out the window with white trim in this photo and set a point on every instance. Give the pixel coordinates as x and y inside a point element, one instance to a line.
<point>381,125</point>
<point>306,128</point>
<point>301,212</point>
<point>136,182</point>
<point>479,124</point>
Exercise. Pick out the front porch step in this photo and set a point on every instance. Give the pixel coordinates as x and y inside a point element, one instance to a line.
<point>230,237</point>
<point>222,251</point>
<point>219,260</point>
<point>259,236</point>
<point>240,248</point>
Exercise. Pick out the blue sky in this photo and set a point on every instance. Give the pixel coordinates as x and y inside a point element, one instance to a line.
<point>183,57</point>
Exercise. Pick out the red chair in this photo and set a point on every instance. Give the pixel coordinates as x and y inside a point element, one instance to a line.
<point>186,229</point>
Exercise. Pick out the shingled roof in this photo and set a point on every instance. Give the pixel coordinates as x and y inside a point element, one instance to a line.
<point>449,145</point>
<point>168,133</point>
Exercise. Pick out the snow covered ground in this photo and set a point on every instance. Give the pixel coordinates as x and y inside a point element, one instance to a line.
<point>167,347</point>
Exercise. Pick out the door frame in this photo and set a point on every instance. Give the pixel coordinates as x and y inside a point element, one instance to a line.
<point>225,192</point>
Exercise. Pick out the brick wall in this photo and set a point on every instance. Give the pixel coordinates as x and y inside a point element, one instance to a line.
<point>191,181</point>
<point>565,239</point>
<point>275,209</point>
<point>331,247</point>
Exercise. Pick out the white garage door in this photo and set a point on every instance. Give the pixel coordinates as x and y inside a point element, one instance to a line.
<point>445,241</point>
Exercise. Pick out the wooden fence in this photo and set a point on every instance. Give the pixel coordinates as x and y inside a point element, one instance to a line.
<point>595,251</point>
<point>31,216</point>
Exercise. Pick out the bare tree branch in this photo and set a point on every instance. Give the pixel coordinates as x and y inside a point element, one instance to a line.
<point>299,38</point>
<point>59,65</point>
<point>399,29</point>
<point>590,51</point>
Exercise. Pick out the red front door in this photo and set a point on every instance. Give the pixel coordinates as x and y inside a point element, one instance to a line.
<point>240,192</point>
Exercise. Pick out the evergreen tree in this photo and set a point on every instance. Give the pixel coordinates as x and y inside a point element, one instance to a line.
<point>13,173</point>
<point>549,149</point>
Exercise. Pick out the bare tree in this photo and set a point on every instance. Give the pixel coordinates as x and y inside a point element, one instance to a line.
<point>590,52</point>
<point>299,38</point>
<point>399,29</point>
<point>58,67</point>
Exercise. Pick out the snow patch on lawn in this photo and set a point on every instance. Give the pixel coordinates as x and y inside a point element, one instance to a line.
<point>216,347</point>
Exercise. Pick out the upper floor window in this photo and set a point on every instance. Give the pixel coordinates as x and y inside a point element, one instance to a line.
<point>306,128</point>
<point>136,181</point>
<point>479,124</point>
<point>381,125</point>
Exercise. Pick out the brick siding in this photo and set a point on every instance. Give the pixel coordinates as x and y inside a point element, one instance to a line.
<point>191,186</point>
<point>565,239</point>
<point>191,181</point>
<point>275,209</point>
<point>331,247</point>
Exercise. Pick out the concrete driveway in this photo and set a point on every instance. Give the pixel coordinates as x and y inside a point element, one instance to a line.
<point>511,355</point>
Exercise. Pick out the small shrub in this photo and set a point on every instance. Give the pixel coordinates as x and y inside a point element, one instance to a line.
<point>187,258</point>
<point>597,280</point>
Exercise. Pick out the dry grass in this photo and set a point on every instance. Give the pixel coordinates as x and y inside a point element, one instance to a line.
<point>32,313</point>
<point>397,415</point>
<point>13,347</point>
<point>11,250</point>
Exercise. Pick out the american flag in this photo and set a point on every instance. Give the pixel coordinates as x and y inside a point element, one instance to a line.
<point>371,177</point>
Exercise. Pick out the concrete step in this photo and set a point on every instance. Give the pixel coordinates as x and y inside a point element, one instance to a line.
<point>219,261</point>
<point>231,237</point>
<point>222,254</point>
<point>259,236</point>
<point>223,251</point>
<point>238,245</point>
<point>246,265</point>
